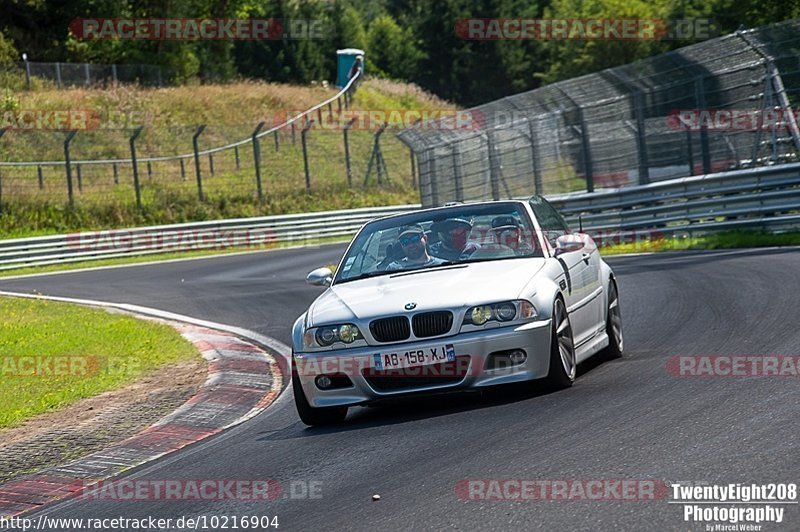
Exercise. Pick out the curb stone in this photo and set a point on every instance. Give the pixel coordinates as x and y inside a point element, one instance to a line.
<point>243,380</point>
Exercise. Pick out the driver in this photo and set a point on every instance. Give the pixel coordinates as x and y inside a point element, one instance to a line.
<point>414,244</point>
<point>508,232</point>
<point>453,245</point>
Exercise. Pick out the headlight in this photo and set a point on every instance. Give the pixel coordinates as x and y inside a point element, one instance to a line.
<point>330,334</point>
<point>504,311</point>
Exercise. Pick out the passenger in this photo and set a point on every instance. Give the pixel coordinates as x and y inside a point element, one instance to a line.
<point>508,232</point>
<point>454,245</point>
<point>414,244</point>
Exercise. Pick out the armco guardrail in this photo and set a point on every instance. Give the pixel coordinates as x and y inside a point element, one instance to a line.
<point>765,198</point>
<point>254,233</point>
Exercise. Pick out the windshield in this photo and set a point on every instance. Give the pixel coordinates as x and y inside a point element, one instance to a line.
<point>440,238</point>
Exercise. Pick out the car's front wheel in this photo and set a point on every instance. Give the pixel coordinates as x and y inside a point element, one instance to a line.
<point>315,416</point>
<point>613,322</point>
<point>563,365</point>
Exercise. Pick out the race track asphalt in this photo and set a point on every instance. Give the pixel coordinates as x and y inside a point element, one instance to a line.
<point>624,419</point>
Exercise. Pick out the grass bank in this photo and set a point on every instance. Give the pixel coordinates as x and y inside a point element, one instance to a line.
<point>53,354</point>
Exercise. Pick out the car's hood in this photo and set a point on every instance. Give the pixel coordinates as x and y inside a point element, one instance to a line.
<point>450,287</point>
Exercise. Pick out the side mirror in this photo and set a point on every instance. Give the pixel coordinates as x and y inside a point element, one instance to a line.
<point>320,277</point>
<point>569,243</point>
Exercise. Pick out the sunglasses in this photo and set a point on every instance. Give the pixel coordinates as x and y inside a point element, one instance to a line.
<point>408,240</point>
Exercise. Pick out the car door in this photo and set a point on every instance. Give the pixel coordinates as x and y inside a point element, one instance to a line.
<point>581,269</point>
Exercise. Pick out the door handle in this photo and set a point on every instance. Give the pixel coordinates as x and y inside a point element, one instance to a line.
<point>586,257</point>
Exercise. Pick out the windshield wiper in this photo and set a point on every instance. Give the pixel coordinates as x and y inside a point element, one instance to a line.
<point>367,275</point>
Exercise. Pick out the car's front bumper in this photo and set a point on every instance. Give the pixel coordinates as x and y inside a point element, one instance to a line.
<point>472,351</point>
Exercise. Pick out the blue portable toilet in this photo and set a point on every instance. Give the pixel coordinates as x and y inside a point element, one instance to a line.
<point>345,59</point>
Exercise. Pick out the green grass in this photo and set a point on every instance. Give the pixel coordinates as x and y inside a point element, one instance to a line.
<point>170,195</point>
<point>102,351</point>
<point>723,240</point>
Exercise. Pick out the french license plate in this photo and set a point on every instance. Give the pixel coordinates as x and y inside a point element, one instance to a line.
<point>414,357</point>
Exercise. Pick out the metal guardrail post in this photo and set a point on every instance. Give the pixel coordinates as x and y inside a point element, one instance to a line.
<point>257,159</point>
<point>303,135</point>
<point>134,164</point>
<point>346,128</point>
<point>198,174</point>
<point>68,166</point>
<point>705,150</point>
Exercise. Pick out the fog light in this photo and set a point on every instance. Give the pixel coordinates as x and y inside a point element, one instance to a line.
<point>323,382</point>
<point>517,356</point>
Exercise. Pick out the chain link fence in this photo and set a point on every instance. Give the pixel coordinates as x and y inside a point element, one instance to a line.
<point>267,161</point>
<point>721,104</point>
<point>90,74</point>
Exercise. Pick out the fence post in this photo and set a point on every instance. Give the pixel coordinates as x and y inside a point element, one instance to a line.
<point>211,163</point>
<point>149,170</point>
<point>58,75</point>
<point>68,166</point>
<point>457,174</point>
<point>641,140</point>
<point>293,138</point>
<point>2,132</point>
<point>494,178</point>
<point>377,157</point>
<point>80,178</point>
<point>134,164</point>
<point>257,159</point>
<point>347,126</point>
<point>433,175</point>
<point>413,168</point>
<point>40,175</point>
<point>27,71</point>
<point>586,152</point>
<point>537,171</point>
<point>303,135</point>
<point>86,71</point>
<point>699,93</point>
<point>116,174</point>
<point>183,169</point>
<point>236,156</point>
<point>197,162</point>
<point>690,150</point>
<point>114,73</point>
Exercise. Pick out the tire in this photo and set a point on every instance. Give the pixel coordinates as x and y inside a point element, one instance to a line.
<point>563,366</point>
<point>311,416</point>
<point>614,323</point>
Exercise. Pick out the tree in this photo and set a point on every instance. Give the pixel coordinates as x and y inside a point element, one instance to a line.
<point>391,50</point>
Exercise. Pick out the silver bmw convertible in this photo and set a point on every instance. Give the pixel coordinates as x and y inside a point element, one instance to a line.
<point>458,297</point>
